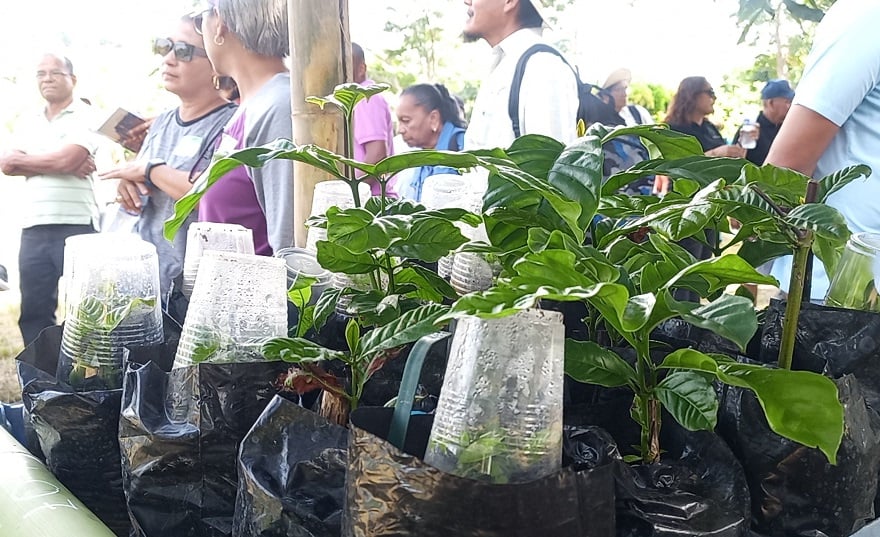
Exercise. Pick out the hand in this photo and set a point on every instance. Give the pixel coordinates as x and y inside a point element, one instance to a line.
<point>661,185</point>
<point>129,196</point>
<point>86,168</point>
<point>7,161</point>
<point>133,172</point>
<point>134,138</point>
<point>732,151</point>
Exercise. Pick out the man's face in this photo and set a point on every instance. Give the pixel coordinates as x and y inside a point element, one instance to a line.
<point>183,77</point>
<point>776,109</point>
<point>483,19</point>
<point>619,91</point>
<point>54,80</point>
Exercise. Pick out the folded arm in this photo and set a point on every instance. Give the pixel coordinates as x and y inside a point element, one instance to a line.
<point>69,160</point>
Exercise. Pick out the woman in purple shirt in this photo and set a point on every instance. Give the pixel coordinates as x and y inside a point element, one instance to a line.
<point>248,40</point>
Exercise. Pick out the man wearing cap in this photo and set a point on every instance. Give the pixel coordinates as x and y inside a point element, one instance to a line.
<point>548,98</point>
<point>776,98</point>
<point>53,151</point>
<point>615,90</point>
<point>834,121</point>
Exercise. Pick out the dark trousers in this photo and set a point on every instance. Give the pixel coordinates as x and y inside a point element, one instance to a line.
<point>40,263</point>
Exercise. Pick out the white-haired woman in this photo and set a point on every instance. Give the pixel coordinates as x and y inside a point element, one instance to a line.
<point>248,40</point>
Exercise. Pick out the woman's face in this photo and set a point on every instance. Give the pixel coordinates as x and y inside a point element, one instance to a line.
<point>418,127</point>
<point>706,101</point>
<point>183,77</point>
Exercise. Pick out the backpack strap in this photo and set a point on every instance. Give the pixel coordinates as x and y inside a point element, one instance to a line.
<point>513,101</point>
<point>634,112</point>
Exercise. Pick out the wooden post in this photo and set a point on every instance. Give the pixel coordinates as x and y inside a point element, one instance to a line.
<point>320,57</point>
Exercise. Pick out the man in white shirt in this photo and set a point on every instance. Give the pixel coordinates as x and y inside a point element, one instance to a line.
<point>54,152</point>
<point>548,98</point>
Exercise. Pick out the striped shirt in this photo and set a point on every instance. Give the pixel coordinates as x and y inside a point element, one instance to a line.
<point>59,199</point>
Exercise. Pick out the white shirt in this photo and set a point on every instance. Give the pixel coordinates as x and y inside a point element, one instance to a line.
<point>548,99</point>
<point>630,121</point>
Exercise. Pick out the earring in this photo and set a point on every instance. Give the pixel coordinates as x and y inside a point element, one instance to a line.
<point>433,129</point>
<point>218,40</point>
<point>216,80</point>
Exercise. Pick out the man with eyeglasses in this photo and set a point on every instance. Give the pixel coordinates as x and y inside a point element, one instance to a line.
<point>177,148</point>
<point>54,152</point>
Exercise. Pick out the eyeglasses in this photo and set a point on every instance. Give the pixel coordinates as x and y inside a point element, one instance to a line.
<point>55,73</point>
<point>182,51</point>
<point>710,92</point>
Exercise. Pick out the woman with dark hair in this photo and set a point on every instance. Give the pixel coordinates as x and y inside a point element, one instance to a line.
<point>428,117</point>
<point>692,103</point>
<point>248,41</point>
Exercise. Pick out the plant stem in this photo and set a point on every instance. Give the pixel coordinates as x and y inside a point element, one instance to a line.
<point>653,407</point>
<point>795,298</point>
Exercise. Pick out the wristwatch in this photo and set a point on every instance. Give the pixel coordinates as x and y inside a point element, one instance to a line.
<point>152,163</point>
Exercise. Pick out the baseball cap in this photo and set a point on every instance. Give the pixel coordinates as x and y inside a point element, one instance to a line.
<point>777,88</point>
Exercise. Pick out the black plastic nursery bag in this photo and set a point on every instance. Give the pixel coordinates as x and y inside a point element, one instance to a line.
<point>795,490</point>
<point>76,431</point>
<point>179,433</point>
<point>291,470</point>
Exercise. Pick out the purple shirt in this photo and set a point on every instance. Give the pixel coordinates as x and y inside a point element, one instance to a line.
<point>372,122</point>
<point>260,199</point>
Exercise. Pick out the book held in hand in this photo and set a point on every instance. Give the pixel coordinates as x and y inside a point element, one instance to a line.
<point>118,126</point>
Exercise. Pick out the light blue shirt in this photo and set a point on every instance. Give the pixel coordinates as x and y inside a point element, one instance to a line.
<point>409,186</point>
<point>841,82</point>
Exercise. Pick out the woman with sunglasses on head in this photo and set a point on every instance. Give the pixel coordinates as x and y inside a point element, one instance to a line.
<point>248,40</point>
<point>178,140</point>
<point>428,117</point>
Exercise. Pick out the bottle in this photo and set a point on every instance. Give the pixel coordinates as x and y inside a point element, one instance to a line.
<point>748,135</point>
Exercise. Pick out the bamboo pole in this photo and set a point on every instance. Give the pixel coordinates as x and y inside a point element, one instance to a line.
<point>320,53</point>
<point>34,504</point>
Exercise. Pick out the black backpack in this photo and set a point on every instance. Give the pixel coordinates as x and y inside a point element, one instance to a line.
<point>591,108</point>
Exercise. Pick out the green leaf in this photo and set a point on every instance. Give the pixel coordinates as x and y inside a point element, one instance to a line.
<point>535,153</point>
<point>306,321</point>
<point>358,231</point>
<point>786,187</point>
<point>832,183</point>
<point>352,336</point>
<point>346,96</point>
<point>300,293</point>
<point>325,305</point>
<point>297,350</point>
<point>577,173</point>
<point>408,328</point>
<point>824,220</point>
<point>690,398</point>
<point>591,364</point>
<point>665,141</point>
<point>554,268</point>
<point>701,169</point>
<point>428,240</point>
<point>799,405</point>
<point>722,271</point>
<point>430,286</point>
<point>729,316</point>
<point>336,258</point>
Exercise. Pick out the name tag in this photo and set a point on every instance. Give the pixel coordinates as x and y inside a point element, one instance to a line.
<point>188,146</point>
<point>227,145</point>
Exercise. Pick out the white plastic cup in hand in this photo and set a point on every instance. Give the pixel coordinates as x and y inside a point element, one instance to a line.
<point>239,300</point>
<point>211,236</point>
<point>748,135</point>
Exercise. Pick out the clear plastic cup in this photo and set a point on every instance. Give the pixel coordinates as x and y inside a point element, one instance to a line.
<point>314,235</point>
<point>359,282</point>
<point>499,417</point>
<point>856,284</point>
<point>112,301</point>
<point>301,262</point>
<point>336,193</point>
<point>442,191</point>
<point>239,301</point>
<point>211,236</point>
<point>473,271</point>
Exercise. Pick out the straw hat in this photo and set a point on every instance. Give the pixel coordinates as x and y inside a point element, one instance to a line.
<point>620,75</point>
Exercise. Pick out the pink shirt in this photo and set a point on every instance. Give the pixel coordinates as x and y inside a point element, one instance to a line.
<point>372,122</point>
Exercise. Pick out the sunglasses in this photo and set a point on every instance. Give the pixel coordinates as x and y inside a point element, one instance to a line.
<point>182,51</point>
<point>709,92</point>
<point>199,16</point>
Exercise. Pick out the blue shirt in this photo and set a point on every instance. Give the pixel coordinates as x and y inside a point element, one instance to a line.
<point>841,82</point>
<point>411,187</point>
